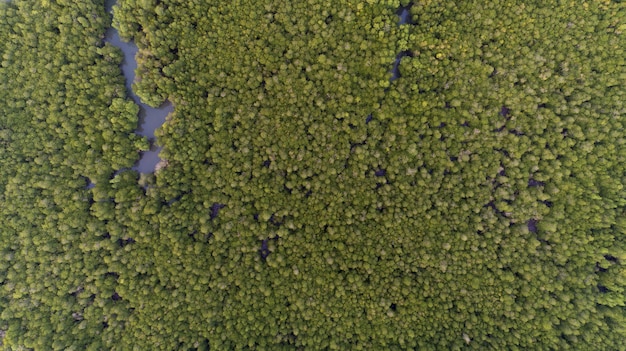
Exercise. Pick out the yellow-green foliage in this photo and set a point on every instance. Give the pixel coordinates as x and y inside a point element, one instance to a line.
<point>61,93</point>
<point>308,202</point>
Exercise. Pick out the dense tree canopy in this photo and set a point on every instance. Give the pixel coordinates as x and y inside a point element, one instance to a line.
<point>307,200</point>
<point>65,127</point>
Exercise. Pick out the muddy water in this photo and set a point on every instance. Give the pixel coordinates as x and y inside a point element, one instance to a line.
<point>404,17</point>
<point>149,118</point>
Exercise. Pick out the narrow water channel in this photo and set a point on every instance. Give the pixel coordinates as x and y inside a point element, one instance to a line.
<point>404,17</point>
<point>150,118</point>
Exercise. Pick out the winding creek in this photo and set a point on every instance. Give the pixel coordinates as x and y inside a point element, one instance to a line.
<point>150,118</point>
<point>404,18</point>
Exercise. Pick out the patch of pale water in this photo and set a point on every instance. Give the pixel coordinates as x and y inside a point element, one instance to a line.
<point>150,118</point>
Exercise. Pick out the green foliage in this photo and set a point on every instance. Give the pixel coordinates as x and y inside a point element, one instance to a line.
<point>480,205</point>
<point>65,122</point>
